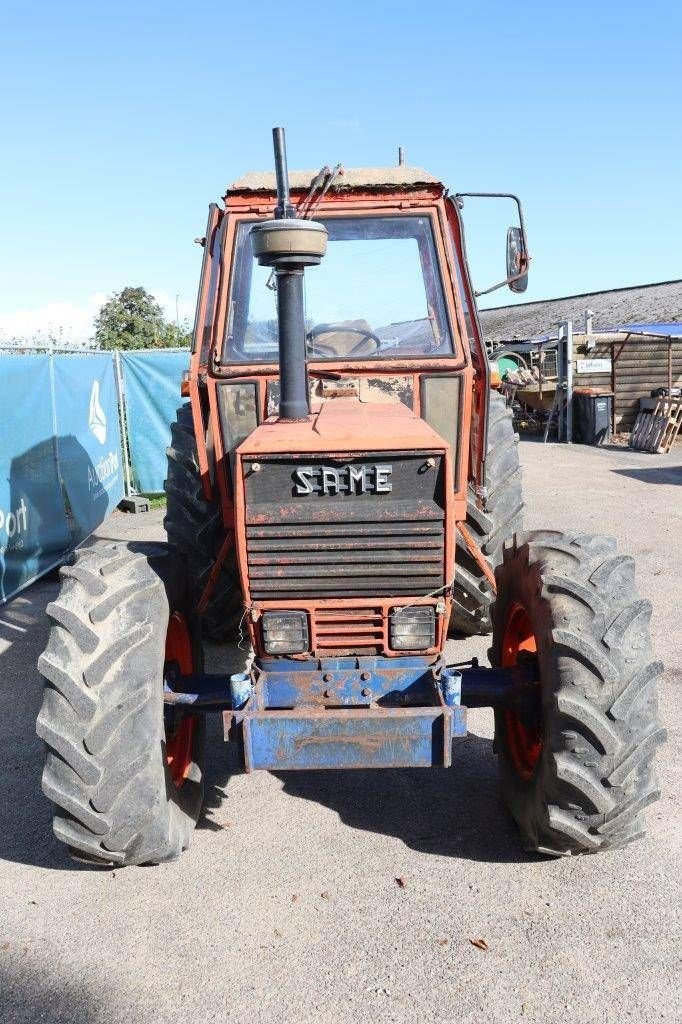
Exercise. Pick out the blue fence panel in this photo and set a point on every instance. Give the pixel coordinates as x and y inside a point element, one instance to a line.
<point>151,383</point>
<point>88,440</point>
<point>33,528</point>
<point>60,459</point>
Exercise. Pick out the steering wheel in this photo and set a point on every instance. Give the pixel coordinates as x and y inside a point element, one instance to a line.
<point>328,350</point>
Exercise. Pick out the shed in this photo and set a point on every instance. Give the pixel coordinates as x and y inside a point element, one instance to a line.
<point>636,346</point>
<point>641,358</point>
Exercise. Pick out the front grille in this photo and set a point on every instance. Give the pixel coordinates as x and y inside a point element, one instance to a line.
<point>348,628</point>
<point>364,545</point>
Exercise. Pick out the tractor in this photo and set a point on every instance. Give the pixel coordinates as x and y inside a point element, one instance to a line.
<point>343,491</point>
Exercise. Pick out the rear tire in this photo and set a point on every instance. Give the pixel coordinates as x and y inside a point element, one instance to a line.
<point>195,530</point>
<point>102,718</point>
<point>491,523</point>
<point>579,781</point>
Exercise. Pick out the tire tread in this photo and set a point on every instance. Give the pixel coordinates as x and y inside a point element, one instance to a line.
<point>491,525</point>
<point>596,775</point>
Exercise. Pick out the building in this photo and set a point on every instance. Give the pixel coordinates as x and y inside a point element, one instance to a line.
<point>645,303</point>
<point>632,366</point>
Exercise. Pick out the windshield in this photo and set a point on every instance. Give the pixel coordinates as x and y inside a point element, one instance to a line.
<point>376,295</point>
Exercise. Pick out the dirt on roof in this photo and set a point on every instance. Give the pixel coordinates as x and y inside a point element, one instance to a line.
<point>350,177</point>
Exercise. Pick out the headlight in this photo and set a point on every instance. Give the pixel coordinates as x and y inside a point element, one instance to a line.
<point>285,632</point>
<point>413,629</point>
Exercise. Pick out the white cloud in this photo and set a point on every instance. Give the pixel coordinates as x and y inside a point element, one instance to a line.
<point>62,320</point>
<point>71,323</point>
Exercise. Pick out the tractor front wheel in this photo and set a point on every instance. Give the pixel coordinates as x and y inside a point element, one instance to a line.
<point>125,775</point>
<point>578,772</point>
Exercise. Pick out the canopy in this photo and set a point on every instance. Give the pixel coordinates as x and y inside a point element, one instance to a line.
<point>673,330</point>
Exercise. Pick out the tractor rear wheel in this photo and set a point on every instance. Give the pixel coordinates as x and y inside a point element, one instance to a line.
<point>125,776</point>
<point>578,775</point>
<point>490,523</point>
<point>195,530</point>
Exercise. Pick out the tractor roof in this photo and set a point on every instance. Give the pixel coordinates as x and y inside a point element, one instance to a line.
<point>361,178</point>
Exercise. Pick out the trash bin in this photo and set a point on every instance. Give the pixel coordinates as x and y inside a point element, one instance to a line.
<point>592,415</point>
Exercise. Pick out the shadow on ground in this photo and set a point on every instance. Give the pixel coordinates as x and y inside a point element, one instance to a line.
<point>28,995</point>
<point>25,815</point>
<point>449,812</point>
<point>654,474</point>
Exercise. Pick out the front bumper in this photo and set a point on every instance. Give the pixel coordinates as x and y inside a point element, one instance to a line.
<point>347,712</point>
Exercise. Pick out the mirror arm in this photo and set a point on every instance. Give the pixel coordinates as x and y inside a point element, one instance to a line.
<point>459,199</point>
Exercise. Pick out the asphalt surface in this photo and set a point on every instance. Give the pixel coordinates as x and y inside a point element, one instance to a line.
<point>287,909</point>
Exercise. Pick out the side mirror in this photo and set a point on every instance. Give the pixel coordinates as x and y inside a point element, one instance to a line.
<point>517,261</point>
<point>518,257</point>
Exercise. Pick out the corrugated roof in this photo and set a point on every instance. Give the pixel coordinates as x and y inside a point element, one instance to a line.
<point>351,177</point>
<point>659,302</point>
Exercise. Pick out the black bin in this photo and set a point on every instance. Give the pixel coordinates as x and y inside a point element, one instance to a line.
<point>592,415</point>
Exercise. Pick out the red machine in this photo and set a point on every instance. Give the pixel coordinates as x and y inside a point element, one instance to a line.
<point>344,488</point>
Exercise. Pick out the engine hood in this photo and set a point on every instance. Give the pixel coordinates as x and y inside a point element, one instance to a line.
<point>345,425</point>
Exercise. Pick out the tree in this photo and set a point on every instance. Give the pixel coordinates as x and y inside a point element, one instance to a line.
<point>177,335</point>
<point>132,318</point>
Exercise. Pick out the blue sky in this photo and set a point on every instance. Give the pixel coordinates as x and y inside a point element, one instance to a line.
<point>121,121</point>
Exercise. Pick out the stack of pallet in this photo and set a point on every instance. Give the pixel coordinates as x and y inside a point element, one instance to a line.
<point>655,430</point>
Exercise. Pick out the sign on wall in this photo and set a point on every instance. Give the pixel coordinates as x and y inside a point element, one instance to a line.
<point>593,365</point>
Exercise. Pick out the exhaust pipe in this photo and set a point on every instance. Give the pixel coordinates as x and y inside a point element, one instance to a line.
<point>289,245</point>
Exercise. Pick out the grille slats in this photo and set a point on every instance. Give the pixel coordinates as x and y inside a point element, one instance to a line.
<point>378,565</point>
<point>369,545</point>
<point>287,557</point>
<point>343,543</point>
<point>354,627</point>
<point>362,530</point>
<point>376,586</point>
<point>344,510</point>
<point>299,571</point>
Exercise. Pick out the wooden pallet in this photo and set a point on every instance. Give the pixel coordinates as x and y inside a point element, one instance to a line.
<point>656,431</point>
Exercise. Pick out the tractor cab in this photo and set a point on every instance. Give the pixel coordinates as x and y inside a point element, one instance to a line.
<point>344,386</point>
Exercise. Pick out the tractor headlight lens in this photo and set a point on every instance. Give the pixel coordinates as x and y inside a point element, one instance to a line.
<point>285,632</point>
<point>413,629</point>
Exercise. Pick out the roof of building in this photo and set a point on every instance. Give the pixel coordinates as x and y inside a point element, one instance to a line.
<point>660,302</point>
<point>349,177</point>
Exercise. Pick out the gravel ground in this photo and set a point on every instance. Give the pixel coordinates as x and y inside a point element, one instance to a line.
<point>287,909</point>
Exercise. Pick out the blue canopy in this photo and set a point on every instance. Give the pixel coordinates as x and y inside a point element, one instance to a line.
<point>673,330</point>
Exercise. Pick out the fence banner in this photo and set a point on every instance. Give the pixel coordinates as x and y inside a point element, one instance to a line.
<point>60,459</point>
<point>151,383</point>
<point>88,440</point>
<point>33,531</point>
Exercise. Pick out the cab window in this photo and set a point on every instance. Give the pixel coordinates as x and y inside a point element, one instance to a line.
<point>376,295</point>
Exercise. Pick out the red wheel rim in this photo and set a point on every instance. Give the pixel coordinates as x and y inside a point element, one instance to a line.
<point>524,743</point>
<point>179,745</point>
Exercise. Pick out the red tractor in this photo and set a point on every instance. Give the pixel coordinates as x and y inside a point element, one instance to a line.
<point>344,488</point>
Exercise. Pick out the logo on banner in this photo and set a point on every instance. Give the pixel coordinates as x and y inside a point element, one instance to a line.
<point>97,421</point>
<point>13,525</point>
